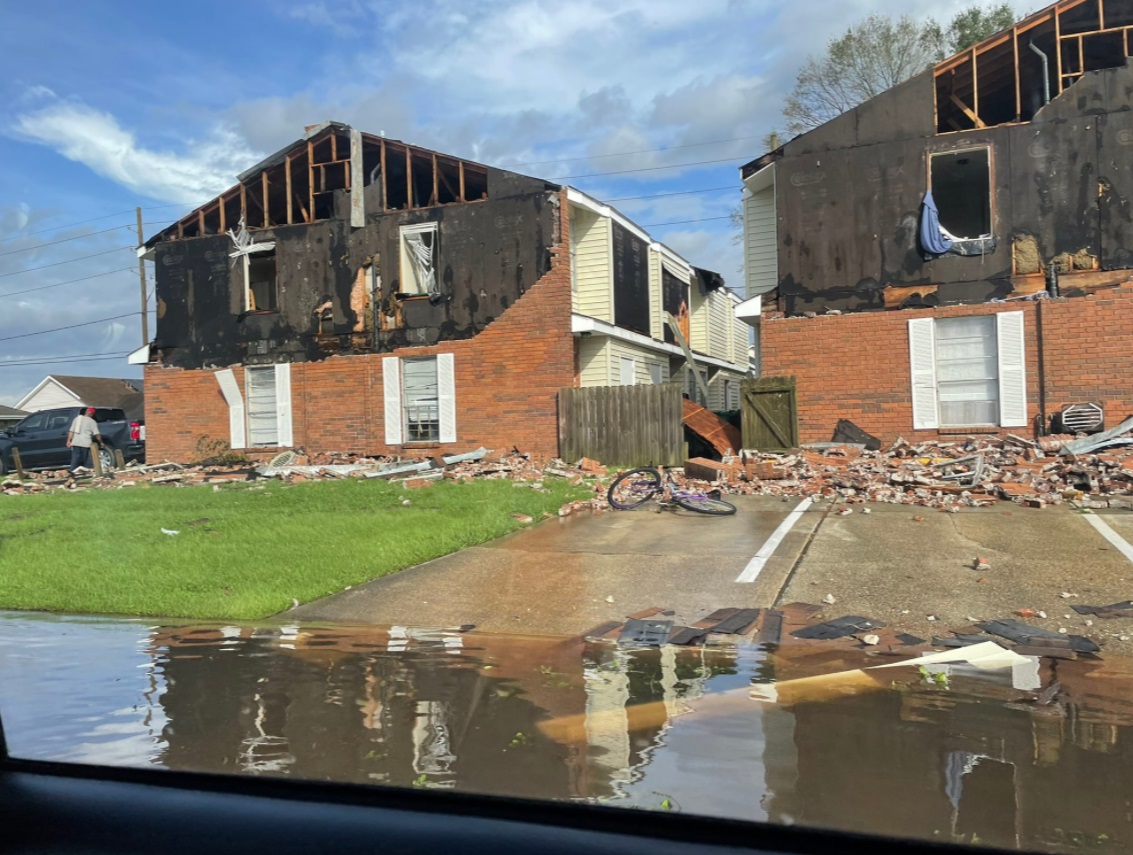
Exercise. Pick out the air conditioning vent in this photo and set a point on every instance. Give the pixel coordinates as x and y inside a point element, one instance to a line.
<point>1082,418</point>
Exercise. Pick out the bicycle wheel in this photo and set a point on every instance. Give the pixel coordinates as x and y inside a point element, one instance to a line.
<point>634,488</point>
<point>705,505</point>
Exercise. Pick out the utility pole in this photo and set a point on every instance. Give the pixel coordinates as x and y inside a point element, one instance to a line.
<point>142,280</point>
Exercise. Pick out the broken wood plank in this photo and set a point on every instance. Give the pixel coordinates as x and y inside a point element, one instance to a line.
<point>894,296</point>
<point>385,197</point>
<point>967,111</point>
<point>772,629</point>
<point>711,428</point>
<point>287,184</point>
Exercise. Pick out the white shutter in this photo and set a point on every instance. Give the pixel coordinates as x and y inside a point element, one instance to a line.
<point>391,380</point>
<point>231,391</point>
<point>922,365</point>
<point>446,396</point>
<point>283,403</point>
<point>627,372</point>
<point>1012,369</point>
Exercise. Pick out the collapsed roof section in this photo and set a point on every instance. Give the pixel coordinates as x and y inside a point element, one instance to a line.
<point>296,185</point>
<point>1010,76</point>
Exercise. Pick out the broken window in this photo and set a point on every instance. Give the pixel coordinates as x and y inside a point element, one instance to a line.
<point>418,259</point>
<point>262,294</point>
<point>961,188</point>
<point>420,398</point>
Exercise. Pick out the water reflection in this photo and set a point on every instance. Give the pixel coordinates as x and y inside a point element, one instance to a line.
<point>562,719</point>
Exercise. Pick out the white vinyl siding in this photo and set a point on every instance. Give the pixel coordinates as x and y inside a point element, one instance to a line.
<point>968,371</point>
<point>52,396</point>
<point>698,319</point>
<point>627,373</point>
<point>656,301</point>
<point>761,248</point>
<point>593,241</point>
<point>263,416</point>
<point>719,317</point>
<point>593,361</point>
<point>621,352</point>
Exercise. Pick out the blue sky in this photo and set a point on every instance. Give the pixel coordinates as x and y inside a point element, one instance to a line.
<point>111,105</point>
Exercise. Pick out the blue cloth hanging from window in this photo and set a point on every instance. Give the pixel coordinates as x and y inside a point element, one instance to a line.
<point>933,241</point>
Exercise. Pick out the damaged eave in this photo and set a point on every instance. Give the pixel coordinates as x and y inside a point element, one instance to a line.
<point>586,325</point>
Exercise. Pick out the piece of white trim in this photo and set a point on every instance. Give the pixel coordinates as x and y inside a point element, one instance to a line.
<point>231,391</point>
<point>1116,540</point>
<point>391,387</point>
<point>446,397</point>
<point>284,435</point>
<point>1011,352</point>
<point>586,324</point>
<point>759,561</point>
<point>139,356</point>
<point>922,373</point>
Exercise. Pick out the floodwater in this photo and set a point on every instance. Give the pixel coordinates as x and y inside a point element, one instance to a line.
<point>970,758</point>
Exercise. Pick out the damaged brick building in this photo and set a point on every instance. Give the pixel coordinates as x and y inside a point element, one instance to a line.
<point>359,294</point>
<point>954,255</point>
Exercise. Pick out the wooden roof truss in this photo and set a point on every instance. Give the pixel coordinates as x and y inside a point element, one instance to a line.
<point>299,185</point>
<point>1000,80</point>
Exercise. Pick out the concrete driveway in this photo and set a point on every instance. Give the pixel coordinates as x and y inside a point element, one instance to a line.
<point>559,576</point>
<point>909,567</point>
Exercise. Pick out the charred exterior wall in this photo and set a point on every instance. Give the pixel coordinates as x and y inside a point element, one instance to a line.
<point>488,254</point>
<point>850,194</point>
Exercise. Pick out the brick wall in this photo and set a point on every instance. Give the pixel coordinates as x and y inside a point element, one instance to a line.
<point>507,379</point>
<point>856,366</point>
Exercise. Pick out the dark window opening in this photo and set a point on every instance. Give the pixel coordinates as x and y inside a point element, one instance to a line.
<point>262,291</point>
<point>396,189</point>
<point>1118,13</point>
<point>961,188</point>
<point>1083,18</point>
<point>1103,50</point>
<point>448,181</point>
<point>321,151</point>
<point>475,184</point>
<point>422,180</point>
<point>232,212</point>
<point>995,70</point>
<point>192,228</point>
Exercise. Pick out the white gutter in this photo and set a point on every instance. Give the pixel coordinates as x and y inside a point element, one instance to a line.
<point>584,324</point>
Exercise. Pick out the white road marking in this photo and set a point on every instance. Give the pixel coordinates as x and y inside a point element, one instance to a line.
<point>1109,534</point>
<point>755,566</point>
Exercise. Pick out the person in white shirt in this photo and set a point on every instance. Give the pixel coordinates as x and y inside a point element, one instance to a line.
<point>84,432</point>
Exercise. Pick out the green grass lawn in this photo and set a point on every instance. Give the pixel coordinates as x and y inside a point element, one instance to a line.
<point>243,552</point>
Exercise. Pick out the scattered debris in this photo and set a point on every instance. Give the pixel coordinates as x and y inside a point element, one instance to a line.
<point>1123,609</point>
<point>169,531</point>
<point>981,564</point>
<point>721,435</point>
<point>829,599</point>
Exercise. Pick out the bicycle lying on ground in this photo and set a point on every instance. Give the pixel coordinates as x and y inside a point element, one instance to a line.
<point>634,488</point>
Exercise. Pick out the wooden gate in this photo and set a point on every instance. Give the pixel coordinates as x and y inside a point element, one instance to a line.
<point>622,425</point>
<point>770,413</point>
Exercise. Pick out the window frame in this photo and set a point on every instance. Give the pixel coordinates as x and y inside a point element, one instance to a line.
<point>406,422</point>
<point>990,187</point>
<point>405,263</point>
<point>249,298</point>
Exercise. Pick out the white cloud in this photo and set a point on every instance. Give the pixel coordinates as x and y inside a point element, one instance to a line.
<point>96,139</point>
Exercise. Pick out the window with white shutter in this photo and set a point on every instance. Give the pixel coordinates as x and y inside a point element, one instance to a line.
<point>263,416</point>
<point>968,371</point>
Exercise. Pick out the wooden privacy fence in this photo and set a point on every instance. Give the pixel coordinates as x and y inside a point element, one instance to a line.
<point>770,413</point>
<point>622,425</point>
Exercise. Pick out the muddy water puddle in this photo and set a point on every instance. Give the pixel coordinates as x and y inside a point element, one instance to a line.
<point>982,757</point>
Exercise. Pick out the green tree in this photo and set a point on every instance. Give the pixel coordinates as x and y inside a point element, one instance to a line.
<point>876,54</point>
<point>873,55</point>
<point>976,23</point>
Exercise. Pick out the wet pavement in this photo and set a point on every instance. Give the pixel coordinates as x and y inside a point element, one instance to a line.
<point>564,576</point>
<point>898,564</point>
<point>974,758</point>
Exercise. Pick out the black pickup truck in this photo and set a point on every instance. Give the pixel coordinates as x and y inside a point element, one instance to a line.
<point>42,439</point>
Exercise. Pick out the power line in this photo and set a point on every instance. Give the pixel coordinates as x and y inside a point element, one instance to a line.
<point>627,153</point>
<point>71,327</point>
<point>68,282</point>
<point>677,193</point>
<point>73,357</point>
<point>681,222</point>
<point>644,169</point>
<point>118,356</point>
<point>64,240</point>
<point>91,220</point>
<point>68,261</point>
